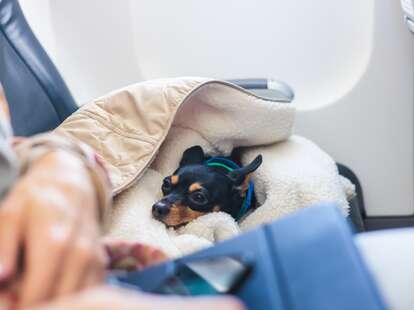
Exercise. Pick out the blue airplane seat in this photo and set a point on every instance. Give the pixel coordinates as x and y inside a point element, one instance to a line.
<point>39,98</point>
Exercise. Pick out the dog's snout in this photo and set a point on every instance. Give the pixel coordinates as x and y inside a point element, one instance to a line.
<point>160,210</point>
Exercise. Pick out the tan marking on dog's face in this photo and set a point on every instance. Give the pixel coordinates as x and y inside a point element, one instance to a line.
<point>195,186</point>
<point>216,209</point>
<point>180,214</point>
<point>174,179</point>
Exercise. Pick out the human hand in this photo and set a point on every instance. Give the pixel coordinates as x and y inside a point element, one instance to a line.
<point>132,256</point>
<point>109,298</point>
<point>48,223</point>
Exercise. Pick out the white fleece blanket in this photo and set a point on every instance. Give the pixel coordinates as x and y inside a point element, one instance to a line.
<point>295,172</point>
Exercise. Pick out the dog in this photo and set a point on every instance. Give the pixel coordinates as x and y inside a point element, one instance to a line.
<point>201,185</point>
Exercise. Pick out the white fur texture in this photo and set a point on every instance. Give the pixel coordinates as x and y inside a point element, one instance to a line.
<point>214,227</point>
<point>294,174</point>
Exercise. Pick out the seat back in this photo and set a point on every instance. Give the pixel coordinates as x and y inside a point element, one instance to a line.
<point>39,98</point>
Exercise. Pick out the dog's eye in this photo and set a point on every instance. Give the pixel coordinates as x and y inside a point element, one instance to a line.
<point>199,198</point>
<point>166,186</point>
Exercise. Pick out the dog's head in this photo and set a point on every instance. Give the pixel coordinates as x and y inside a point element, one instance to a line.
<point>195,189</point>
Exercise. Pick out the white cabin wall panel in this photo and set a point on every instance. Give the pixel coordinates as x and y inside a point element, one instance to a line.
<point>95,45</point>
<point>92,42</point>
<point>371,128</point>
<point>306,43</point>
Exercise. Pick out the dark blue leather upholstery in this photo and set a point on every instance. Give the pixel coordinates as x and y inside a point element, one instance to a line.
<point>38,97</point>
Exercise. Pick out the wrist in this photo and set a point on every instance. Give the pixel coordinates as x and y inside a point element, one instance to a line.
<point>63,170</point>
<point>68,163</point>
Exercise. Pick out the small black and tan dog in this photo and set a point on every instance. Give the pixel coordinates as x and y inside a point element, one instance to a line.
<point>203,184</point>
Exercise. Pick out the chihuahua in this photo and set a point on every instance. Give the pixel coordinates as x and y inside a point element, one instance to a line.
<point>200,186</point>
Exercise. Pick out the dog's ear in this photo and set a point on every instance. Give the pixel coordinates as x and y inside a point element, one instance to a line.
<point>238,176</point>
<point>192,156</point>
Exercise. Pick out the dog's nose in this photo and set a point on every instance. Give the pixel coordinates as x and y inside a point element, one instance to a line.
<point>160,210</point>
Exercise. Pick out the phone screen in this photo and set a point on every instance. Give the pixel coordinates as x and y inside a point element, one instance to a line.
<point>209,276</point>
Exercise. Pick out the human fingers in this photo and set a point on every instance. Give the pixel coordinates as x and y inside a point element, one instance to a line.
<point>46,248</point>
<point>84,266</point>
<point>108,298</point>
<point>10,237</point>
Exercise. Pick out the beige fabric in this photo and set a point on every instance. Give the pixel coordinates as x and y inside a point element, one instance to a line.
<point>128,126</point>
